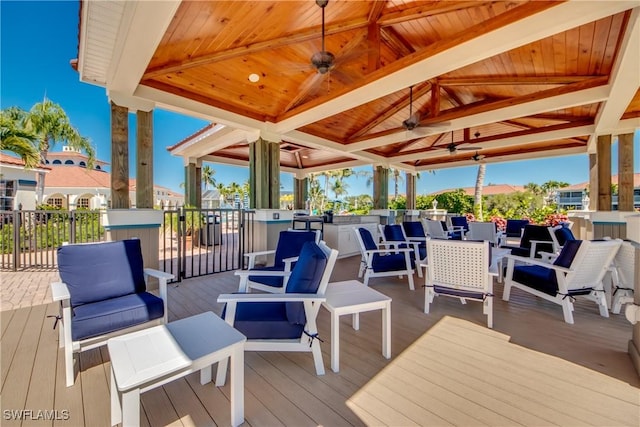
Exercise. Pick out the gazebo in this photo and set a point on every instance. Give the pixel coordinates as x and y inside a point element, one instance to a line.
<point>304,87</point>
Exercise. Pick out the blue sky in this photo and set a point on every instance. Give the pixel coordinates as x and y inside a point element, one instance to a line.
<point>38,39</point>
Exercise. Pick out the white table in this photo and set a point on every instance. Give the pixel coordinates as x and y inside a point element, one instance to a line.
<point>353,297</point>
<point>143,360</point>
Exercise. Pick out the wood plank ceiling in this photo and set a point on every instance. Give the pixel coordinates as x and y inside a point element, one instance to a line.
<point>211,47</point>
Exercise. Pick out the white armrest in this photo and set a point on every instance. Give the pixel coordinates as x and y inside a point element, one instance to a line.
<point>288,262</point>
<point>418,239</point>
<point>270,273</point>
<point>59,291</point>
<point>270,297</point>
<point>388,251</point>
<point>536,261</point>
<point>158,274</point>
<point>253,255</point>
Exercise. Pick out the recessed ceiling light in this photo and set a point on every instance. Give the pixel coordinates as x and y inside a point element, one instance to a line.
<point>253,78</point>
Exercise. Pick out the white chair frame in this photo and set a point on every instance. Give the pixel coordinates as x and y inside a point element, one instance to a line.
<point>413,244</point>
<point>436,231</point>
<point>484,231</point>
<point>246,285</point>
<point>60,292</point>
<point>366,264</point>
<point>622,276</point>
<point>312,303</point>
<point>587,270</point>
<point>462,266</point>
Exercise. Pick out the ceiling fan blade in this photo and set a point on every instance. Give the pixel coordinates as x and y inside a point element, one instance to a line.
<point>468,148</point>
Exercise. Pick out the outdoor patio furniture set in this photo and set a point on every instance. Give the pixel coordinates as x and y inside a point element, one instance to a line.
<point>104,300</point>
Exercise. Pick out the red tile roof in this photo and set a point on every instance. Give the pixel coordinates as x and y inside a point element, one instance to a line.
<point>487,190</point>
<point>74,176</point>
<point>9,159</point>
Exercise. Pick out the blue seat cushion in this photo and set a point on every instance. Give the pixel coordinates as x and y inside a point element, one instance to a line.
<point>276,282</point>
<point>101,271</point>
<point>537,277</point>
<point>265,320</point>
<point>90,320</point>
<point>305,279</point>
<point>391,262</point>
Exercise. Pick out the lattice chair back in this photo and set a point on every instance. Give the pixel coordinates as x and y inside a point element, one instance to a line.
<point>623,275</point>
<point>460,269</point>
<point>483,231</point>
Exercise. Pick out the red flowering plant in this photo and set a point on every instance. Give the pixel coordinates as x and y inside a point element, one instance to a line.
<point>470,217</point>
<point>555,219</point>
<point>501,223</point>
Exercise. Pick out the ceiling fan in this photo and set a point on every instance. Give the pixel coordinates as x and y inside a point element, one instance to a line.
<point>323,61</point>
<point>477,157</point>
<point>413,121</point>
<point>453,147</point>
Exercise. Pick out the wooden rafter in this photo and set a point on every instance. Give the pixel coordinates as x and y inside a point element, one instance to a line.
<point>511,80</point>
<point>297,37</point>
<point>429,9</point>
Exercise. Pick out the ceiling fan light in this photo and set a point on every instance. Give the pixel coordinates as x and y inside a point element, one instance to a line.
<point>323,61</point>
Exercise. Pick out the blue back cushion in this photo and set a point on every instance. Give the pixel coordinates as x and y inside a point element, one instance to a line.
<point>101,271</point>
<point>290,244</point>
<point>393,233</point>
<point>367,239</point>
<point>563,235</point>
<point>460,221</point>
<point>305,279</point>
<point>413,229</point>
<point>514,227</point>
<point>568,253</point>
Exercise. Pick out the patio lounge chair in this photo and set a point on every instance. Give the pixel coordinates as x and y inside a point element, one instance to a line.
<point>535,239</point>
<point>577,271</point>
<point>460,269</point>
<point>460,223</point>
<point>622,276</point>
<point>484,231</point>
<point>439,230</point>
<point>287,321</point>
<point>393,236</point>
<point>103,294</point>
<point>288,248</point>
<point>380,262</point>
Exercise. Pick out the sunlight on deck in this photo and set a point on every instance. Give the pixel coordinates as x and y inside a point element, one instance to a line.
<point>462,373</point>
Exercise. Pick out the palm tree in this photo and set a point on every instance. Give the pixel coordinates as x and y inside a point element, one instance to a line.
<point>477,203</point>
<point>49,122</point>
<point>339,188</point>
<point>397,178</point>
<point>19,141</point>
<point>207,177</point>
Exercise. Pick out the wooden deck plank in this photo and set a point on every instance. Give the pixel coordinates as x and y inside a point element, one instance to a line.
<point>5,320</point>
<point>95,388</point>
<point>428,380</point>
<point>11,339</point>
<point>43,376</point>
<point>14,396</point>
<point>187,405</point>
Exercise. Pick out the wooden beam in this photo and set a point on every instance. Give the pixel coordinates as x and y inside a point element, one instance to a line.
<point>410,181</point>
<point>380,187</point>
<point>289,39</point>
<point>603,201</point>
<point>119,157</point>
<point>300,192</point>
<point>625,172</point>
<point>511,80</point>
<point>432,8</point>
<point>144,160</point>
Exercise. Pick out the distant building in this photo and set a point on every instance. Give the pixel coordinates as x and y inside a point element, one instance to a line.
<point>17,184</point>
<point>573,196</point>
<point>69,184</point>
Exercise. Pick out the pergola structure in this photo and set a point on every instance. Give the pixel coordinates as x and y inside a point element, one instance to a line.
<point>505,80</point>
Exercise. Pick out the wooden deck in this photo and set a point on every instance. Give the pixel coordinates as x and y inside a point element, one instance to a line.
<point>447,368</point>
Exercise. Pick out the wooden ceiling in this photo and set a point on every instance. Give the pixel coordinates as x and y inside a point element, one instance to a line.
<point>508,79</point>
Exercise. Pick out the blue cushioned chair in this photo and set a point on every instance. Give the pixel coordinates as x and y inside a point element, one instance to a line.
<point>577,271</point>
<point>288,248</point>
<point>535,239</point>
<point>393,236</point>
<point>103,293</point>
<point>287,321</point>
<point>379,262</point>
<point>515,227</point>
<point>460,223</point>
<point>460,269</point>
